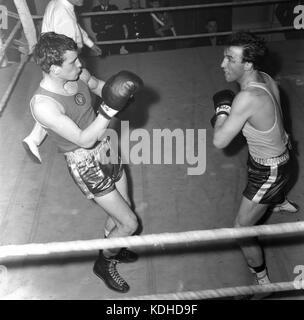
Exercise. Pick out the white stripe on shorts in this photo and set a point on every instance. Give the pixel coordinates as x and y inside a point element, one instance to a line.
<point>267,185</point>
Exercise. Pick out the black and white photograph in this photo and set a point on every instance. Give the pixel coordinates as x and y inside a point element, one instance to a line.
<point>151,150</point>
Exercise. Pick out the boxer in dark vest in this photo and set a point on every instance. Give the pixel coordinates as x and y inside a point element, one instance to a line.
<point>62,106</point>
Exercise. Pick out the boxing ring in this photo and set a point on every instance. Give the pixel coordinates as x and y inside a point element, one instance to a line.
<point>185,244</point>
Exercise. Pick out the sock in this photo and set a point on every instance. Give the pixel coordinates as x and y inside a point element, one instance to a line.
<point>106,233</point>
<point>259,270</point>
<point>262,274</point>
<point>101,252</point>
<point>109,254</point>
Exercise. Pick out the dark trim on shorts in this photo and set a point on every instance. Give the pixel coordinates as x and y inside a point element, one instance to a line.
<point>266,184</point>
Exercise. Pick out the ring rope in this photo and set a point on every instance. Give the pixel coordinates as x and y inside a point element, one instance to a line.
<point>156,240</point>
<point>174,8</point>
<point>223,292</point>
<point>197,35</point>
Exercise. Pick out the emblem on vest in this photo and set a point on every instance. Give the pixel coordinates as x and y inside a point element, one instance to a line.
<point>80,99</point>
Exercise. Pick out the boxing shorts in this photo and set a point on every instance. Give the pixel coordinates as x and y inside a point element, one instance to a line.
<point>94,170</point>
<point>267,179</point>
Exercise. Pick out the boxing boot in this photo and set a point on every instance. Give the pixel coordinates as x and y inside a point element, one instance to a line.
<point>105,269</point>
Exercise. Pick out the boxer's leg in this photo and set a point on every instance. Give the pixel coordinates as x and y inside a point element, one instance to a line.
<point>249,214</point>
<point>125,255</point>
<point>122,188</point>
<point>33,140</point>
<point>96,182</point>
<point>119,211</point>
<point>125,225</point>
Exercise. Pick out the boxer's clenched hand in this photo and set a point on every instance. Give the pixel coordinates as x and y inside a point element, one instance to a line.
<point>222,104</point>
<point>117,91</point>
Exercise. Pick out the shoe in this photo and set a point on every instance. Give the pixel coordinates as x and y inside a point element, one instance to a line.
<point>31,149</point>
<point>125,256</point>
<point>261,281</point>
<point>105,269</point>
<point>258,280</point>
<point>286,206</point>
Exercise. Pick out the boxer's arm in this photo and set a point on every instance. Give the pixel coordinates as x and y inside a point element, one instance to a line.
<point>51,115</point>
<point>227,127</point>
<point>93,83</point>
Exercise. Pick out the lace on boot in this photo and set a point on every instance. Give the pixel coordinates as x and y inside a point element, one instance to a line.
<point>106,270</point>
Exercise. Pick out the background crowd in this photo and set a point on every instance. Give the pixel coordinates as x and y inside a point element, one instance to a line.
<point>111,27</point>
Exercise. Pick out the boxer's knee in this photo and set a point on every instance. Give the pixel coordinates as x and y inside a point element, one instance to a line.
<point>237,223</point>
<point>240,222</point>
<point>130,225</point>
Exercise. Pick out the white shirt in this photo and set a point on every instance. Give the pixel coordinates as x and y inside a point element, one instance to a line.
<point>59,17</point>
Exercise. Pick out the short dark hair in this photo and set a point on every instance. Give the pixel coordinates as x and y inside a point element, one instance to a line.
<point>254,48</point>
<point>50,49</point>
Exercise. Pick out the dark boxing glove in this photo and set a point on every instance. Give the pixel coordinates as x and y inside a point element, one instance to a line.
<point>117,91</point>
<point>222,104</point>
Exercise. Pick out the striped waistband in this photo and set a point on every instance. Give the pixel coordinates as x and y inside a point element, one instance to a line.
<point>273,161</point>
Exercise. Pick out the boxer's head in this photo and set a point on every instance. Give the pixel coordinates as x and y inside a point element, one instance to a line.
<point>244,53</point>
<point>57,55</point>
<point>253,48</point>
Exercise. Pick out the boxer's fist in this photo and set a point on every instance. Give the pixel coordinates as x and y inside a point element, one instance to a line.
<point>222,104</point>
<point>223,101</point>
<point>119,88</point>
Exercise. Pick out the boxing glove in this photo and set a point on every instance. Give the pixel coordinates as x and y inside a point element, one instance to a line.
<point>117,91</point>
<point>222,103</point>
